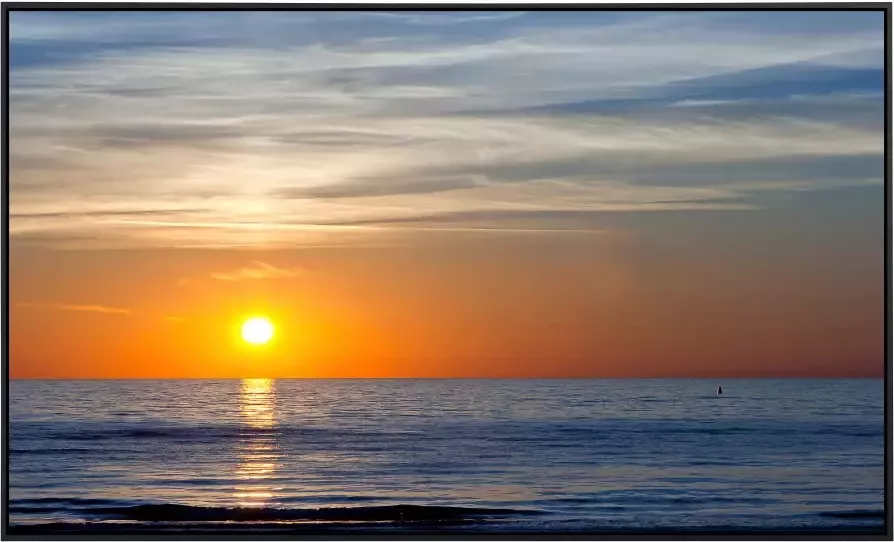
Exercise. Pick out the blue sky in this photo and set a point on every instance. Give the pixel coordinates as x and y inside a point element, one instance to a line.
<point>284,127</point>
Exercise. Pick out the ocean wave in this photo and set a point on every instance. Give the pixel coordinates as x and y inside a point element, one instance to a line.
<point>51,451</point>
<point>389,529</point>
<point>552,433</point>
<point>17,509</point>
<point>204,432</point>
<point>400,512</point>
<point>854,514</point>
<point>647,500</point>
<point>707,428</point>
<point>68,501</point>
<point>331,498</point>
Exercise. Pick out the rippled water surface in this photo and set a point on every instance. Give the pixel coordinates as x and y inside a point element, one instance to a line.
<point>456,454</point>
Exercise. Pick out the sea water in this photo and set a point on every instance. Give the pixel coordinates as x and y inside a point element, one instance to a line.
<point>495,455</point>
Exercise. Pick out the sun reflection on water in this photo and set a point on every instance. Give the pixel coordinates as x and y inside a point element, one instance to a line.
<point>258,449</point>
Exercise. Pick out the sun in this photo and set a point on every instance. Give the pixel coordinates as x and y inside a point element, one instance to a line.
<point>257,330</point>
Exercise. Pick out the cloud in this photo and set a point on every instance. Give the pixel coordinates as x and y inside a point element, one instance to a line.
<point>100,214</point>
<point>246,133</point>
<point>257,271</point>
<point>77,308</point>
<point>437,19</point>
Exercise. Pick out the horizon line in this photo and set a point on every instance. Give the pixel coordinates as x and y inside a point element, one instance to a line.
<point>772,377</point>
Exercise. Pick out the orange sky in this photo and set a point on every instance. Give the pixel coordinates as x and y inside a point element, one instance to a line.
<point>439,194</point>
<point>493,306</point>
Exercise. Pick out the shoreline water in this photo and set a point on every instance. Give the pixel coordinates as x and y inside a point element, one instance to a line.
<point>424,527</point>
<point>164,518</point>
<point>517,456</point>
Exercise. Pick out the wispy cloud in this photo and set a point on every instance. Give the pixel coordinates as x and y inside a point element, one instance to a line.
<point>257,271</point>
<point>76,308</point>
<point>262,136</point>
<point>434,19</point>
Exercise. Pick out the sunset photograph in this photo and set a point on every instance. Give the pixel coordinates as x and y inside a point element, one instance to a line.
<point>465,272</point>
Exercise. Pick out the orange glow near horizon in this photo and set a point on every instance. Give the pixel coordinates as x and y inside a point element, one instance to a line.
<point>455,311</point>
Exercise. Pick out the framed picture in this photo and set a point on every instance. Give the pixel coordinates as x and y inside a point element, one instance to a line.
<point>446,271</point>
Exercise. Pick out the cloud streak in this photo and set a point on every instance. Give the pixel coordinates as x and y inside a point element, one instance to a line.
<point>76,308</point>
<point>257,271</point>
<point>192,130</point>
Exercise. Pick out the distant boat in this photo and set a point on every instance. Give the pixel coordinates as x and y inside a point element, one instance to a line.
<point>719,390</point>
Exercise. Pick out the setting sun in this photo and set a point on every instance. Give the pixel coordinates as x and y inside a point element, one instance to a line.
<point>257,330</point>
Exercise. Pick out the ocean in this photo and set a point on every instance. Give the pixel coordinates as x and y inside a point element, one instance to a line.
<point>454,456</point>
